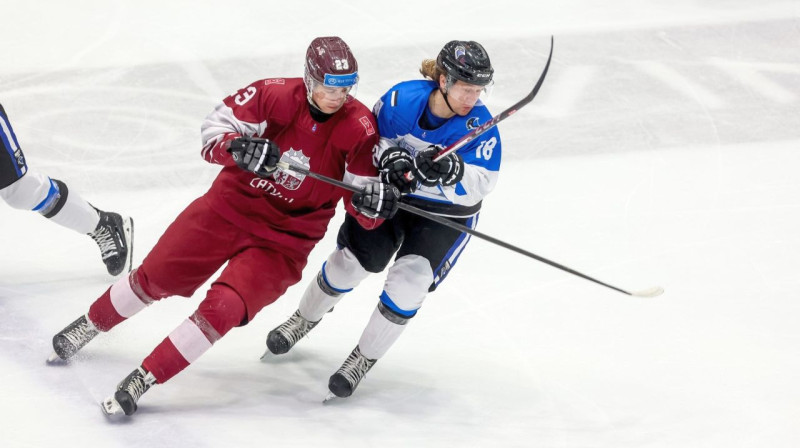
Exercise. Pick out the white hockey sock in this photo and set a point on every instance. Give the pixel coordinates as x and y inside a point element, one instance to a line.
<point>339,274</point>
<point>379,335</point>
<point>77,214</point>
<point>36,191</point>
<point>315,302</point>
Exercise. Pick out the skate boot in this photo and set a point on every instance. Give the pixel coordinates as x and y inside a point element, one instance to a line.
<point>346,379</point>
<point>68,341</point>
<point>128,393</point>
<point>282,338</point>
<point>114,236</point>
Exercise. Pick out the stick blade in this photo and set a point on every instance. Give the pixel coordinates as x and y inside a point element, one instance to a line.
<point>650,292</point>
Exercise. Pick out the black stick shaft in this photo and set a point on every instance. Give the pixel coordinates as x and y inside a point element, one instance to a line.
<point>453,225</point>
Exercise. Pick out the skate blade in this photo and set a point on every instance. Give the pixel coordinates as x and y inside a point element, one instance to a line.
<point>267,355</point>
<point>111,407</point>
<point>128,229</point>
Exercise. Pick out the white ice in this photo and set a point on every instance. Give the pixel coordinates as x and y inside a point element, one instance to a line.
<point>661,151</point>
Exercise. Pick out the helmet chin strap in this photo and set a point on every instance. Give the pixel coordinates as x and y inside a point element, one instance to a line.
<point>313,104</point>
<point>444,95</point>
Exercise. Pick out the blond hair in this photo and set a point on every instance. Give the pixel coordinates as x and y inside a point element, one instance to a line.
<point>431,70</point>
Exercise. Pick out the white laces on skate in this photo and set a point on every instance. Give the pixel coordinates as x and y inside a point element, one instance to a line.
<point>355,367</point>
<point>104,239</point>
<point>137,387</point>
<point>81,334</point>
<point>295,328</point>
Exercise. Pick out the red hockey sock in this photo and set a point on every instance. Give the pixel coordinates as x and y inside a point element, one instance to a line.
<point>102,313</point>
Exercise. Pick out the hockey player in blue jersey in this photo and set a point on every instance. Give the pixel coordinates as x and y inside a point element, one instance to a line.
<point>27,189</point>
<point>416,119</point>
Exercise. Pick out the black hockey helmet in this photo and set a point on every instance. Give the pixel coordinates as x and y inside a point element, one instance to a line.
<point>466,61</point>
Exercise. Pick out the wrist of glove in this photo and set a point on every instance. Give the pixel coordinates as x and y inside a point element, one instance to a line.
<point>377,200</point>
<point>257,155</point>
<point>394,167</point>
<point>447,171</point>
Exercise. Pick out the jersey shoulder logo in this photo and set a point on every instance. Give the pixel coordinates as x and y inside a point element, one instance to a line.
<point>274,81</point>
<point>367,125</point>
<point>472,123</point>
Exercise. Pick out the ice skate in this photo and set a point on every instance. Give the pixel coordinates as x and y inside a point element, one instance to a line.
<point>285,336</point>
<point>114,236</point>
<point>68,341</point>
<point>128,393</point>
<point>346,379</point>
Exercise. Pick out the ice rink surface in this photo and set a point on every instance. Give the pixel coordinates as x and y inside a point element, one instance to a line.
<point>663,149</point>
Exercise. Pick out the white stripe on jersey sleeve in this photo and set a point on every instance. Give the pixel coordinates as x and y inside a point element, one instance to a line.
<point>221,121</point>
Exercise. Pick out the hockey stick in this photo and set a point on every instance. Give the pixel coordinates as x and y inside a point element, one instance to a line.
<point>472,135</point>
<point>651,292</point>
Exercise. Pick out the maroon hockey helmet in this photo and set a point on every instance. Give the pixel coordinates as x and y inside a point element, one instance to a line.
<point>330,62</point>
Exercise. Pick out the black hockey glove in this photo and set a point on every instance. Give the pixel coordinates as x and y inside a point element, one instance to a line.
<point>449,170</point>
<point>394,166</point>
<point>257,155</point>
<point>377,200</point>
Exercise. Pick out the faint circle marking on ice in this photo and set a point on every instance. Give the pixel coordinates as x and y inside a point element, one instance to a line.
<point>126,127</point>
<point>126,136</point>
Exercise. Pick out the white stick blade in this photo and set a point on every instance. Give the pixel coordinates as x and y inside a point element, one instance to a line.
<point>328,398</point>
<point>650,292</point>
<point>54,359</point>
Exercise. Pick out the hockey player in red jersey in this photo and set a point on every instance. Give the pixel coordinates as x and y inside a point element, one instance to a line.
<point>262,220</point>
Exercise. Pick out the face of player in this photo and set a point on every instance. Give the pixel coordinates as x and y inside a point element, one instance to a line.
<point>462,96</point>
<point>329,99</point>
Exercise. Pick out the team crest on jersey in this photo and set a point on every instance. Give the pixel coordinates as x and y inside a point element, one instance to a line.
<point>472,123</point>
<point>289,179</point>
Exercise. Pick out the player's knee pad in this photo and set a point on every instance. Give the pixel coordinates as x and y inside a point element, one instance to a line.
<point>221,310</point>
<point>407,285</point>
<point>34,191</point>
<point>341,272</point>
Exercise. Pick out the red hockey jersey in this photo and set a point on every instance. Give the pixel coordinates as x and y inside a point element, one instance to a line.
<point>288,205</point>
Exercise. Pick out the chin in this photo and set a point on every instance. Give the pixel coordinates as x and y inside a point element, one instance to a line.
<point>333,109</point>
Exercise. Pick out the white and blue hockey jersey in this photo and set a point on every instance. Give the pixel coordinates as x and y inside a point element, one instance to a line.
<point>399,112</point>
